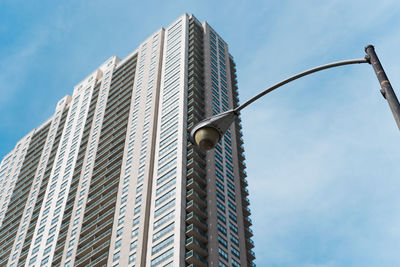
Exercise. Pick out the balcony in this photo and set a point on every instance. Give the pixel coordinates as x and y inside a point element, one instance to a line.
<point>192,218</point>
<point>192,153</point>
<point>247,222</point>
<point>192,206</point>
<point>99,222</point>
<point>193,195</point>
<point>192,184</point>
<point>193,258</point>
<point>244,182</point>
<point>248,232</point>
<point>102,229</point>
<point>94,254</point>
<point>245,191</point>
<point>250,255</point>
<point>192,230</point>
<point>198,167</point>
<point>246,201</point>
<point>249,243</point>
<point>193,174</point>
<point>246,211</point>
<point>193,244</point>
<point>102,238</point>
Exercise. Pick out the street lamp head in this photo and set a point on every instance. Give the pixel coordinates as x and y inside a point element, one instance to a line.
<point>207,137</point>
<point>207,133</point>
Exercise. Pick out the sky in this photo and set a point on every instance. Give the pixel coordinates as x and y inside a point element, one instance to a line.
<point>322,153</point>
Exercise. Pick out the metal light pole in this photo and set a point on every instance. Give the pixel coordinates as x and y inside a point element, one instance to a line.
<point>208,132</point>
<point>387,90</point>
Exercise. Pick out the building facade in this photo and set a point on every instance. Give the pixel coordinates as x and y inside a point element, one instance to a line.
<point>111,178</point>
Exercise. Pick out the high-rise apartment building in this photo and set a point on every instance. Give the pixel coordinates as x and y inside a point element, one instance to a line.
<point>111,178</point>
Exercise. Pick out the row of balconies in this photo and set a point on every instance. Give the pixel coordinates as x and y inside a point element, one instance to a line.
<point>3,260</point>
<point>97,221</point>
<point>94,257</point>
<point>103,237</point>
<point>87,238</point>
<point>107,199</point>
<point>101,188</point>
<point>127,78</point>
<point>8,225</point>
<point>115,104</point>
<point>196,204</point>
<point>98,202</point>
<point>122,70</point>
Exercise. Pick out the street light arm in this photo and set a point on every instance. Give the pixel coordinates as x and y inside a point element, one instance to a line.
<point>208,132</point>
<point>299,75</point>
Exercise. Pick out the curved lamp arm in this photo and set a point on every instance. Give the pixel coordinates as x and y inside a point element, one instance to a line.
<point>208,132</point>
<point>299,75</point>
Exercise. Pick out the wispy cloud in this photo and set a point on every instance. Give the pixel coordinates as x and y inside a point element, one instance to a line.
<point>323,189</point>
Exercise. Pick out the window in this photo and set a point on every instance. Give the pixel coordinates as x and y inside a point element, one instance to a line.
<point>223,254</point>
<point>166,176</point>
<point>235,263</point>
<point>139,188</point>
<point>222,241</point>
<point>161,210</point>
<point>36,249</point>
<point>164,219</point>
<point>166,196</point>
<point>116,256</point>
<point>32,260</point>
<point>220,185</point>
<point>135,232</point>
<point>163,257</point>
<point>50,239</point>
<point>235,252</point>
<point>163,244</point>
<point>119,231</point>
<point>231,186</point>
<point>234,240</point>
<point>137,210</point>
<point>233,228</point>
<point>221,229</point>
<point>132,258</point>
<point>219,175</point>
<point>163,232</point>
<point>165,187</point>
<point>118,244</point>
<point>133,245</point>
<point>136,221</point>
<point>220,196</point>
<point>73,232</point>
<point>45,260</point>
<point>232,217</point>
<point>220,206</point>
<point>38,239</point>
<point>219,166</point>
<point>122,210</point>
<point>221,217</point>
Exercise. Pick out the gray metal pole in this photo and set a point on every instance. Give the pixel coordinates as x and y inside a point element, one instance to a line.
<point>387,90</point>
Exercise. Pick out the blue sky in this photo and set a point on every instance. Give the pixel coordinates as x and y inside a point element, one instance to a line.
<point>322,152</point>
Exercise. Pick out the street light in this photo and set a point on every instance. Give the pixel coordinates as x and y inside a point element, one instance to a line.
<point>207,133</point>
